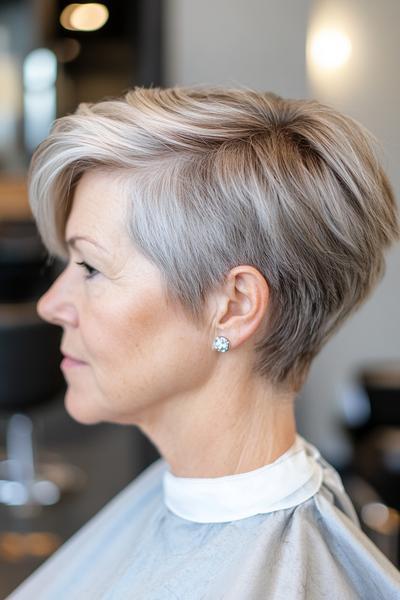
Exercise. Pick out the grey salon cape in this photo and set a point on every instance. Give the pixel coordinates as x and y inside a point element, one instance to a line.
<point>285,531</point>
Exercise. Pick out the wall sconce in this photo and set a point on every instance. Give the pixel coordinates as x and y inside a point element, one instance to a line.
<point>329,49</point>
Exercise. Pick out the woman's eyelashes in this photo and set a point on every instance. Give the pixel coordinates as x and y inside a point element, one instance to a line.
<point>91,272</point>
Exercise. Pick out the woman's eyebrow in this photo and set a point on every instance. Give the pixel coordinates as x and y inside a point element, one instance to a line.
<point>71,242</point>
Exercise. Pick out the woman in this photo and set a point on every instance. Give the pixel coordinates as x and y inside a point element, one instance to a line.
<point>216,239</point>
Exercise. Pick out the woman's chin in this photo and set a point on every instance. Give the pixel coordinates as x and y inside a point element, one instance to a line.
<point>78,409</point>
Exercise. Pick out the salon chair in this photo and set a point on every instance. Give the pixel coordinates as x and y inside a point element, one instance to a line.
<point>371,418</point>
<point>30,372</point>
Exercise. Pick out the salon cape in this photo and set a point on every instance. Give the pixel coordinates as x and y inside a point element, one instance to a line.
<point>285,531</point>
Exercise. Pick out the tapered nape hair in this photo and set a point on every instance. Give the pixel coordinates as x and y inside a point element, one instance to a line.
<point>220,177</point>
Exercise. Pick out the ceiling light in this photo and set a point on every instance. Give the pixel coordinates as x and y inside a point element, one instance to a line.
<point>84,17</point>
<point>65,17</point>
<point>89,17</point>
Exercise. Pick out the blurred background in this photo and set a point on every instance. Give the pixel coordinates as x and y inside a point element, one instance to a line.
<point>54,473</point>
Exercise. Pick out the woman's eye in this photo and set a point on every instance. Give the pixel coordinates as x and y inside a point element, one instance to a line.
<point>90,270</point>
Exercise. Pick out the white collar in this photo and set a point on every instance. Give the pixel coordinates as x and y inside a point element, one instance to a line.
<point>292,478</point>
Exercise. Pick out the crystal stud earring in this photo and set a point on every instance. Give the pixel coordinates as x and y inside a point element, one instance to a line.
<point>221,344</point>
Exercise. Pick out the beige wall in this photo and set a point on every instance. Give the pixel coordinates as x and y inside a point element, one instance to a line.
<point>368,89</point>
<point>261,43</point>
<point>250,42</point>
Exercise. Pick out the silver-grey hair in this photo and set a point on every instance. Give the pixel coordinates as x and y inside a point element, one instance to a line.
<point>221,177</point>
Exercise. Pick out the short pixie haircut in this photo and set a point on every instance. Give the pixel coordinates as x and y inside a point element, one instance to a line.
<point>221,177</point>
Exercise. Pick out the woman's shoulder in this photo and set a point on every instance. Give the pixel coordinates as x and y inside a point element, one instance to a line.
<point>324,536</point>
<point>332,511</point>
<point>331,485</point>
<point>311,550</point>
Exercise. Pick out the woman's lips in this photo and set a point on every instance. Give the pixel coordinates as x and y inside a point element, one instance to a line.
<point>68,362</point>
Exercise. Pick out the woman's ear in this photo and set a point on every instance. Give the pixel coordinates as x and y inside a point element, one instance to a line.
<point>241,304</point>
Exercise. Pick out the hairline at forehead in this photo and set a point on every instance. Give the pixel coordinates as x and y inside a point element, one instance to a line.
<point>120,177</point>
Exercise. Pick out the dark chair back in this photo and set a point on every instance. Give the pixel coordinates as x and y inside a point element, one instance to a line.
<point>29,358</point>
<point>29,347</point>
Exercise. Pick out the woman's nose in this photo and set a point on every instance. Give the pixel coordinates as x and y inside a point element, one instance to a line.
<point>56,307</point>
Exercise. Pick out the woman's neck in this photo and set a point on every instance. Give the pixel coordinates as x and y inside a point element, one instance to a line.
<point>215,433</point>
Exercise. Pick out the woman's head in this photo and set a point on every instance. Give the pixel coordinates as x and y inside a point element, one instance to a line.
<point>214,178</point>
<point>135,345</point>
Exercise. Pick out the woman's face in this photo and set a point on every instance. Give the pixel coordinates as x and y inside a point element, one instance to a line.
<point>138,350</point>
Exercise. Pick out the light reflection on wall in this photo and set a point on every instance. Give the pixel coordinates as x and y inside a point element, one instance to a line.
<point>40,104</point>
